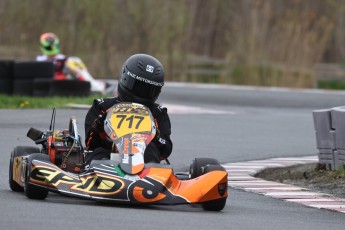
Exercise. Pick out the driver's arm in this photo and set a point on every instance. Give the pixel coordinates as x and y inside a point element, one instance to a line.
<point>163,141</point>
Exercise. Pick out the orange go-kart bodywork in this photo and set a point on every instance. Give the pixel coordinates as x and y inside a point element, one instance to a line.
<point>59,168</point>
<point>156,184</point>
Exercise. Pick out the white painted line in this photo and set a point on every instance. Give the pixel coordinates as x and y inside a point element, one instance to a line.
<point>173,109</point>
<point>278,188</point>
<point>259,186</point>
<point>78,106</point>
<point>292,193</point>
<point>259,181</point>
<point>252,164</point>
<point>181,109</point>
<point>326,205</point>
<point>240,170</point>
<point>309,200</point>
<point>244,166</point>
<point>256,162</point>
<point>266,163</point>
<point>241,177</point>
<point>288,163</point>
<point>291,159</point>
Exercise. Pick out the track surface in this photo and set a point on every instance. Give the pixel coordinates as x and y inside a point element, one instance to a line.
<point>230,124</point>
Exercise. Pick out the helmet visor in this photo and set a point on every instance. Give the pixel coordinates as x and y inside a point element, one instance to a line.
<point>142,88</point>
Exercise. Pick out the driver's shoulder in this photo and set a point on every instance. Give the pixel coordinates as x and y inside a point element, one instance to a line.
<point>105,103</point>
<point>158,109</point>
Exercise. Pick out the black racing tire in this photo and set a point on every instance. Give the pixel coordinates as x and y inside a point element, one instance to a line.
<point>23,87</point>
<point>214,205</point>
<point>6,77</point>
<point>70,88</point>
<point>33,69</point>
<point>24,73</point>
<point>41,87</point>
<point>198,164</point>
<point>6,70</point>
<point>6,86</point>
<point>32,191</point>
<point>17,152</point>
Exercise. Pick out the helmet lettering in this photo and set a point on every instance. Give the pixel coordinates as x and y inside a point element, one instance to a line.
<point>144,79</point>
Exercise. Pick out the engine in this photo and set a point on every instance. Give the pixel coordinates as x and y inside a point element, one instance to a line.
<point>65,151</point>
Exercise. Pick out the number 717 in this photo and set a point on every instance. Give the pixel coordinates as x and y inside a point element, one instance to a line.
<point>130,120</point>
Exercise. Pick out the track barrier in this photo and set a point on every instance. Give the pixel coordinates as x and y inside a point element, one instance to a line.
<point>32,78</point>
<point>329,127</point>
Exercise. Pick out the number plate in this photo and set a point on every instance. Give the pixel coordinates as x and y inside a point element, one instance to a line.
<point>129,118</point>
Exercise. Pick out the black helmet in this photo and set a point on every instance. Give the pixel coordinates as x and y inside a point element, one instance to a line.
<point>141,79</point>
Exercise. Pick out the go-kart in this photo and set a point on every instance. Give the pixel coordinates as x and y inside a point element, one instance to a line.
<point>59,166</point>
<point>75,68</point>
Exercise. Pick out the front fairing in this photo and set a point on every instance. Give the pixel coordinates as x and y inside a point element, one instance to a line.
<point>105,181</point>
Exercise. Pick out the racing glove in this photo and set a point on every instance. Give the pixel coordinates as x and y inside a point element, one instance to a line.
<point>98,124</point>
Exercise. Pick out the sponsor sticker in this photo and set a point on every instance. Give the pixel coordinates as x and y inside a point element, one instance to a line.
<point>149,68</point>
<point>162,141</point>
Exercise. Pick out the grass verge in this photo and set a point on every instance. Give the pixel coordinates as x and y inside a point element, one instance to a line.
<point>26,102</point>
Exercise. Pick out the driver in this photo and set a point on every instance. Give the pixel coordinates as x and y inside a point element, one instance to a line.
<point>50,48</point>
<point>141,81</point>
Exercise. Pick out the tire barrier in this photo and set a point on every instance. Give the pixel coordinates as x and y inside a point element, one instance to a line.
<point>6,77</point>
<point>41,87</point>
<point>70,88</point>
<point>329,127</point>
<point>32,78</point>
<point>25,72</point>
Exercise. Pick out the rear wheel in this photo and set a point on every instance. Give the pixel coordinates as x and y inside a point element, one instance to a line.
<point>198,165</point>
<point>17,152</point>
<point>214,205</point>
<point>33,191</point>
<point>219,204</point>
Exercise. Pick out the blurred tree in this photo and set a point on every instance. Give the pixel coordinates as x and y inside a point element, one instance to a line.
<point>258,38</point>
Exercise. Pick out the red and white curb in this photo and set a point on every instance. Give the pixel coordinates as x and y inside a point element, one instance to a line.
<point>241,177</point>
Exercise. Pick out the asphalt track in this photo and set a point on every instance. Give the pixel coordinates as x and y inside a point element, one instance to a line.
<point>231,124</point>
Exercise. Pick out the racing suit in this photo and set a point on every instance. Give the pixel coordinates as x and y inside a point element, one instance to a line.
<point>59,64</point>
<point>95,138</point>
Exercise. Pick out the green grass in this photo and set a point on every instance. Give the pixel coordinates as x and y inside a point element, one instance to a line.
<point>26,102</point>
<point>331,84</point>
<point>340,172</point>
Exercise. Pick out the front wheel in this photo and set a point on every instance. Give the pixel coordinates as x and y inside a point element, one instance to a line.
<point>18,152</point>
<point>219,204</point>
<point>214,205</point>
<point>33,191</point>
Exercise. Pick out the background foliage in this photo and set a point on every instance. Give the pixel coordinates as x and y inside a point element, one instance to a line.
<point>257,42</point>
